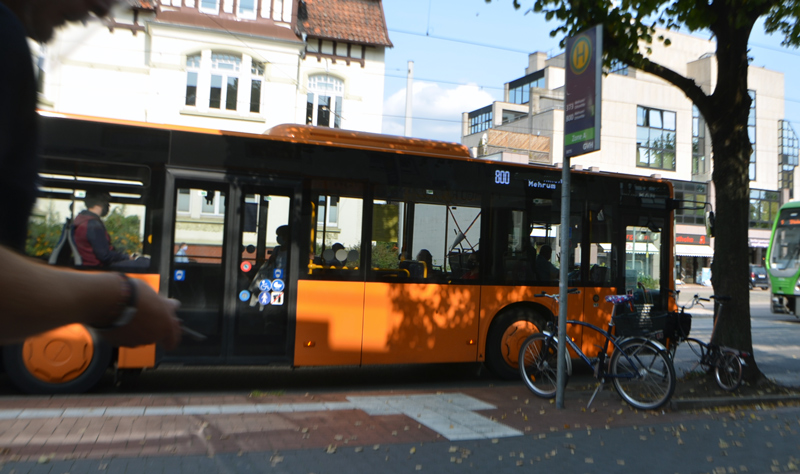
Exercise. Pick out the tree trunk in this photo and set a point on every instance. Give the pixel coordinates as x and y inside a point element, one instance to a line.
<point>727,119</point>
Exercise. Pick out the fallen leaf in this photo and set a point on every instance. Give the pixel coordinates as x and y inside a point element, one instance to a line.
<point>589,461</point>
<point>331,449</point>
<point>412,450</point>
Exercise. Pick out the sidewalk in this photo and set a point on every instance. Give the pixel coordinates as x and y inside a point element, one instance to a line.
<point>497,428</point>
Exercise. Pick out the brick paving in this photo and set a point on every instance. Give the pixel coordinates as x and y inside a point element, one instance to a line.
<point>328,432</point>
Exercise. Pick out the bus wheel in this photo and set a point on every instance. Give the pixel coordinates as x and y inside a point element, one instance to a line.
<point>506,335</point>
<point>70,359</point>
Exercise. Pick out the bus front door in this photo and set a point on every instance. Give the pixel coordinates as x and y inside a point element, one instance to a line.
<point>230,271</point>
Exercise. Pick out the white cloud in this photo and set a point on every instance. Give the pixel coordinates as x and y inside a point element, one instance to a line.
<point>436,109</point>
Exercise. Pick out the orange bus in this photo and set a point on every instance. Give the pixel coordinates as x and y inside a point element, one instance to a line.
<point>312,246</point>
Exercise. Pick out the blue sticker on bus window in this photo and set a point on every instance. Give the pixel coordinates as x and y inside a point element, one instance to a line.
<point>244,295</point>
<point>277,273</point>
<point>265,285</point>
<point>278,285</point>
<point>264,298</point>
<point>180,275</point>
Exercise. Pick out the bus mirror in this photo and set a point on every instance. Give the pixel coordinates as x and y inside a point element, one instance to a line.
<point>710,221</point>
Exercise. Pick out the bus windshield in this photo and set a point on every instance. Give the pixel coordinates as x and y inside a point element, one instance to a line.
<point>785,255</point>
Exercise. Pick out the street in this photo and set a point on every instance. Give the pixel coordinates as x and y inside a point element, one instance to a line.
<point>775,336</point>
<point>443,418</point>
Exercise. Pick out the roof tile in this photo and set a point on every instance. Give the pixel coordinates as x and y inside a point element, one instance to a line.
<point>355,21</point>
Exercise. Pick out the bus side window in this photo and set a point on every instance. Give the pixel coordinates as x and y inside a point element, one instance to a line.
<point>335,250</point>
<point>425,235</point>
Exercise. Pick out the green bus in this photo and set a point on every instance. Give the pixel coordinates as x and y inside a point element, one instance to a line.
<point>783,259</point>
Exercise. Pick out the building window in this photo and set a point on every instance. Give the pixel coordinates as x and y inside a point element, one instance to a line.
<point>257,76</point>
<point>699,163</point>
<point>788,159</point>
<point>209,6</point>
<point>764,207</point>
<point>217,81</point>
<point>217,205</point>
<point>519,90</point>
<point>655,138</point>
<point>192,70</point>
<point>480,120</point>
<point>247,9</point>
<point>328,211</point>
<point>184,200</point>
<point>324,105</point>
<point>751,132</point>
<point>224,80</point>
<point>693,198</point>
<point>618,67</point>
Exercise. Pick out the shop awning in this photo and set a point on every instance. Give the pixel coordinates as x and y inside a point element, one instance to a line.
<point>640,247</point>
<point>682,250</point>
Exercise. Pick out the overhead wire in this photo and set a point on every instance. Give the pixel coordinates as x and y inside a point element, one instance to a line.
<point>427,35</point>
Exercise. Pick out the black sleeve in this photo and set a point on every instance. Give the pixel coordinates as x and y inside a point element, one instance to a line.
<point>96,235</point>
<point>18,160</point>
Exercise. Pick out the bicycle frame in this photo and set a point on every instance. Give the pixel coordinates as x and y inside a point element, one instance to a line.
<point>602,373</point>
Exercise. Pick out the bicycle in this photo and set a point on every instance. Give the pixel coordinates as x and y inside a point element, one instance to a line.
<point>727,362</point>
<point>639,367</point>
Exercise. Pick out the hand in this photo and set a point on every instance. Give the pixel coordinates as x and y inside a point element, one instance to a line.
<point>155,322</point>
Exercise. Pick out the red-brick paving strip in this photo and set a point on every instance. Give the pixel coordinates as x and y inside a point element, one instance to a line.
<point>132,436</point>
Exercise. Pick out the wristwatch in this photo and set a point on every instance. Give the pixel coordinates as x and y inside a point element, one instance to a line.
<point>129,298</point>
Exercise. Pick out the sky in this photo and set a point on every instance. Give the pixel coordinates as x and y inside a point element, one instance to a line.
<point>464,51</point>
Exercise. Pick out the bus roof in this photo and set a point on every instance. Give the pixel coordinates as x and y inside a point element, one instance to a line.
<point>336,137</point>
<point>309,134</point>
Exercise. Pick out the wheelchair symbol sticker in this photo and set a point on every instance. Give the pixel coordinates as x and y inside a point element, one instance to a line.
<point>244,295</point>
<point>264,298</point>
<point>277,298</point>
<point>180,275</point>
<point>278,285</point>
<point>277,273</point>
<point>265,285</point>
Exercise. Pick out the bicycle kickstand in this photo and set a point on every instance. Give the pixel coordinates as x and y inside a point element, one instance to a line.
<point>596,391</point>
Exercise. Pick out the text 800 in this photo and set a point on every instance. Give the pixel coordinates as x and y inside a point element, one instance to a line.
<point>502,177</point>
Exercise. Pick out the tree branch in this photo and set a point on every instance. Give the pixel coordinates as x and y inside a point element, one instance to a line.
<point>688,86</point>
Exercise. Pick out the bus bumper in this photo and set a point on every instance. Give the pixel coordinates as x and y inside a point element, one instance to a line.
<point>783,304</point>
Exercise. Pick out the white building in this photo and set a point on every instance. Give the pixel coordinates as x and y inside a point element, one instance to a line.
<point>243,65</point>
<point>649,127</point>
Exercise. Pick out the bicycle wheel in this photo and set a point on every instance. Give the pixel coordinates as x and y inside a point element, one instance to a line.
<point>538,364</point>
<point>728,370</point>
<point>643,374</point>
<point>689,355</point>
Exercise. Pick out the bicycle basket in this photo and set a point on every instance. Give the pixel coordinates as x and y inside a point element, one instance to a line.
<point>678,325</point>
<point>632,324</point>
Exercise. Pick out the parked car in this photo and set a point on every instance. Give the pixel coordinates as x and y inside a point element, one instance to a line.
<point>758,277</point>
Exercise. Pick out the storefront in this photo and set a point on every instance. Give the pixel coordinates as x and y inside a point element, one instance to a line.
<point>692,254</point>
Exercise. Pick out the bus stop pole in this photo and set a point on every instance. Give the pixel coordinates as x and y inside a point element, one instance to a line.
<point>561,367</point>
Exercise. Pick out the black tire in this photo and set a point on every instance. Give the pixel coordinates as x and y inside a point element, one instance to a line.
<point>645,379</point>
<point>25,381</point>
<point>506,334</point>
<point>538,365</point>
<point>728,372</point>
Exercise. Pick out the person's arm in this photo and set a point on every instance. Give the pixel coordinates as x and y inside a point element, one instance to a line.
<point>35,298</point>
<point>97,237</point>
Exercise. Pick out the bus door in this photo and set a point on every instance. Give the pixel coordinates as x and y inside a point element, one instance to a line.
<point>265,278</point>
<point>230,270</point>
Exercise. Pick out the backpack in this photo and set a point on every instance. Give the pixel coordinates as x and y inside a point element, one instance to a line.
<point>65,253</point>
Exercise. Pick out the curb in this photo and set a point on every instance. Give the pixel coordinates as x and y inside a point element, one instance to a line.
<point>699,403</point>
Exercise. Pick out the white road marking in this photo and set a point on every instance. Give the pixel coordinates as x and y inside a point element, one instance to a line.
<point>452,415</point>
